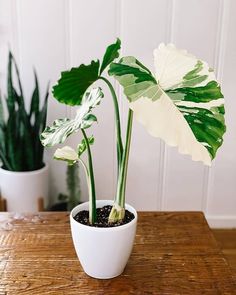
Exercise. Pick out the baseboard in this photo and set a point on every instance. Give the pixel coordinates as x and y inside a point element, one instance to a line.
<point>221,221</point>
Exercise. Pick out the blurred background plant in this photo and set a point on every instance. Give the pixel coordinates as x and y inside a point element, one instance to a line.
<point>20,147</point>
<point>73,197</point>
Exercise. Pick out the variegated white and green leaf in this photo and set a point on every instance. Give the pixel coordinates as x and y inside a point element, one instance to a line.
<point>188,111</point>
<point>175,68</point>
<point>62,128</point>
<point>66,154</point>
<point>136,79</point>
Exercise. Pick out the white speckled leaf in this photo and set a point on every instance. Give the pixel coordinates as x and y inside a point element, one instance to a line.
<point>62,128</point>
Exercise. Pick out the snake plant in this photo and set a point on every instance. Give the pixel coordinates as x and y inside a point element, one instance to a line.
<point>20,146</point>
<point>181,103</point>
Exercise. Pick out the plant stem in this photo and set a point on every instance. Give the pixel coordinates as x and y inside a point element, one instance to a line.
<point>92,193</point>
<point>118,209</point>
<point>117,119</point>
<point>86,173</point>
<point>120,198</point>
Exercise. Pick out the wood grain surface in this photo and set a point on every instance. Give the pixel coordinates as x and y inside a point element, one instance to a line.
<point>174,253</point>
<point>227,241</point>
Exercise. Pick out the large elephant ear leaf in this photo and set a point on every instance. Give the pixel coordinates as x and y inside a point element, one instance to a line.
<point>112,52</point>
<point>189,112</point>
<point>72,85</point>
<point>62,128</point>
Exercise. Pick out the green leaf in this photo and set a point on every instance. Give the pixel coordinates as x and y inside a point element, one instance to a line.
<point>136,79</point>
<point>27,136</point>
<point>39,126</point>
<point>34,107</point>
<point>10,89</point>
<point>112,52</point>
<point>2,138</point>
<point>4,162</point>
<point>19,127</point>
<point>2,127</point>
<point>19,139</point>
<point>205,93</point>
<point>12,128</point>
<point>43,112</point>
<point>2,117</point>
<point>73,84</point>
<point>11,141</point>
<point>62,128</point>
<point>18,79</point>
<point>82,146</point>
<point>207,125</point>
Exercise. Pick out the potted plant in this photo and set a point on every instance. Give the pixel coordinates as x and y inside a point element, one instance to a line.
<point>181,103</point>
<point>23,174</point>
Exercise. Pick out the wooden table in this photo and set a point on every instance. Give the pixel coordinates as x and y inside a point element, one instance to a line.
<point>174,253</point>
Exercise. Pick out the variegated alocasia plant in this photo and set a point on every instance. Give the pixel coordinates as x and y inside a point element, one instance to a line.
<point>181,103</point>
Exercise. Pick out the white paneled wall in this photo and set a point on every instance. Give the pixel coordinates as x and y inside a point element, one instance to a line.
<point>53,35</point>
<point>184,181</point>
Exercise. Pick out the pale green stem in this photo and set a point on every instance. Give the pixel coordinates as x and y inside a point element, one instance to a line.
<point>85,168</point>
<point>92,193</point>
<point>117,119</point>
<point>120,197</point>
<point>118,210</point>
<point>86,174</point>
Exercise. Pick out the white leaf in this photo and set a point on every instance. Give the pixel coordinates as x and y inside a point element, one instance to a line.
<point>66,154</point>
<point>162,119</point>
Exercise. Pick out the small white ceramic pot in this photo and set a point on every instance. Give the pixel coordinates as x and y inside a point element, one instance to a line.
<point>22,189</point>
<point>103,252</point>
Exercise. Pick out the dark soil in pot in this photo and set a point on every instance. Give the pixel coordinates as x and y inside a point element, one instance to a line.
<point>102,217</point>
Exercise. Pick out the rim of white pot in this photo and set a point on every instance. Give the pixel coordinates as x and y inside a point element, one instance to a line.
<point>75,210</point>
<point>34,172</point>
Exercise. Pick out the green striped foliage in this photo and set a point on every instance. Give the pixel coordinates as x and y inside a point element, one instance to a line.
<point>20,146</point>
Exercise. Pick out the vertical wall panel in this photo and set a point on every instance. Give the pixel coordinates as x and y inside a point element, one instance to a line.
<point>93,27</point>
<point>143,27</point>
<point>41,28</point>
<point>193,23</point>
<point>7,38</point>
<point>222,198</point>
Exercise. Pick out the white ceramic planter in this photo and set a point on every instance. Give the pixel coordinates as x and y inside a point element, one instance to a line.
<point>22,189</point>
<point>103,252</point>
